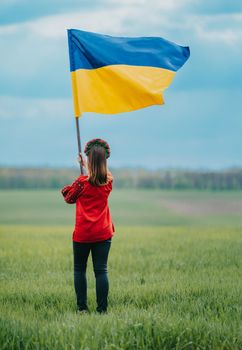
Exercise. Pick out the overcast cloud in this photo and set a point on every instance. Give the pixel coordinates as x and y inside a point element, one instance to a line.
<point>197,127</point>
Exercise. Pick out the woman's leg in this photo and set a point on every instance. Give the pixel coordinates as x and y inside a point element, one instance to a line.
<point>80,253</point>
<point>100,252</point>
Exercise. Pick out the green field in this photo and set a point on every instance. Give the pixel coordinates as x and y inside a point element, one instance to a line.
<point>175,273</point>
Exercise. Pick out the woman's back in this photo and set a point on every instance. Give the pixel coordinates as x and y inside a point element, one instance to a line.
<point>90,193</point>
<point>93,218</point>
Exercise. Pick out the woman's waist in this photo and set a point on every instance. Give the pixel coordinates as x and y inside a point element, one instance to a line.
<point>95,228</point>
<point>93,217</point>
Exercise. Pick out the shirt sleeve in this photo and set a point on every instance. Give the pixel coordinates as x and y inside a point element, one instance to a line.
<point>73,191</point>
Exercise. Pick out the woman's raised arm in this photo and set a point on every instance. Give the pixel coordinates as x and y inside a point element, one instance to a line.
<point>73,191</point>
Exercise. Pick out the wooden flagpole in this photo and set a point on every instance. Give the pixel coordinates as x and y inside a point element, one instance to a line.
<point>79,141</point>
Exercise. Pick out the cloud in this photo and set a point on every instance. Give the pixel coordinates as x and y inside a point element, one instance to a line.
<point>189,130</point>
<point>126,18</point>
<point>34,53</point>
<point>216,6</point>
<point>113,20</point>
<point>199,124</point>
<point>12,108</point>
<point>225,28</point>
<point>17,11</point>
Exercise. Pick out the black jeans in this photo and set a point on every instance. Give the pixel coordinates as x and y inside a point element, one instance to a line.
<point>99,252</point>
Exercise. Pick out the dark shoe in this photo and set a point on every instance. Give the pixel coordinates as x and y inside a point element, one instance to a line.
<point>103,312</point>
<point>82,312</point>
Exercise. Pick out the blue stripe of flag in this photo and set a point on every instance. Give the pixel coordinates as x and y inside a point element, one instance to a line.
<point>91,50</point>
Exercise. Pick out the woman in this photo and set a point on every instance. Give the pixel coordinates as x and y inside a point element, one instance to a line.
<point>93,226</point>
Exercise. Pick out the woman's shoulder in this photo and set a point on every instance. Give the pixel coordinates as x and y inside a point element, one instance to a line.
<point>108,183</point>
<point>83,178</point>
<point>110,176</point>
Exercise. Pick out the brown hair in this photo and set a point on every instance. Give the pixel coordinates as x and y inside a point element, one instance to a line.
<point>97,166</point>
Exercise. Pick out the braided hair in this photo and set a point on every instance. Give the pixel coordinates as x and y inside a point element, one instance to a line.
<point>98,142</point>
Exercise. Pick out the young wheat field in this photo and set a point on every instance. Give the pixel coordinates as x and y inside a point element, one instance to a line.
<point>175,273</point>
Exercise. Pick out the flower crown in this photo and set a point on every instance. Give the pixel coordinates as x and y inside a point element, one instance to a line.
<point>98,142</point>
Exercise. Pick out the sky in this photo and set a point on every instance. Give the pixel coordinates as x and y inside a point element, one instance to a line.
<point>200,124</point>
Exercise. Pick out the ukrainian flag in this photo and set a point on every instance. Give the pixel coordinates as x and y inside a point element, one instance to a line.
<point>120,74</point>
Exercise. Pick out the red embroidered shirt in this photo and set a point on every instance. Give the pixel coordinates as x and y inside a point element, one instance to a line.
<point>93,218</point>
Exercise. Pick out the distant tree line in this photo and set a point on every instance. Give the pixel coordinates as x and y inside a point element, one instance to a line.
<point>36,177</point>
<point>230,179</point>
<point>44,178</point>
